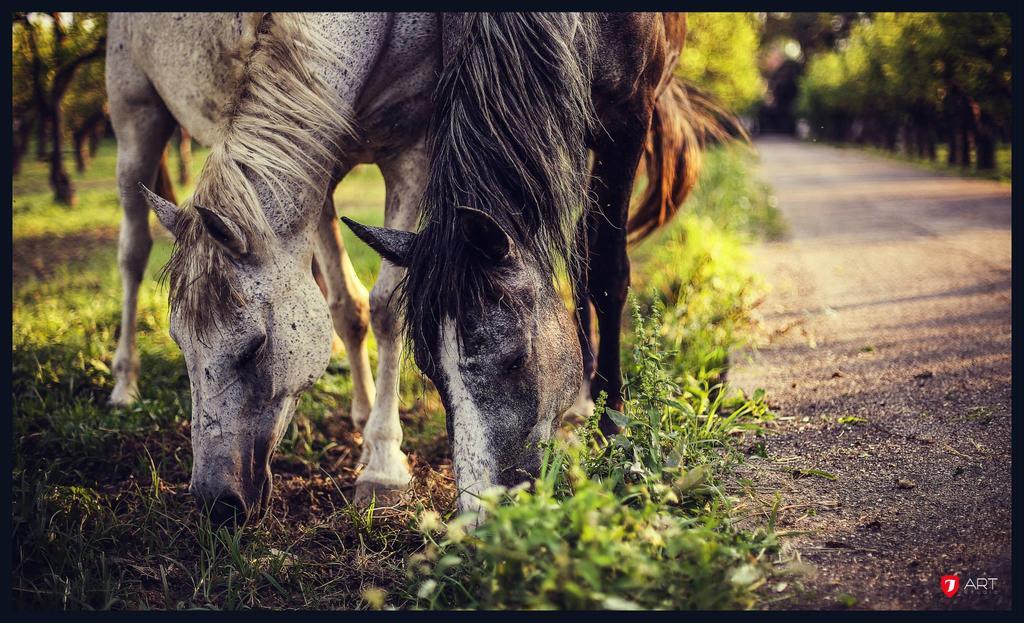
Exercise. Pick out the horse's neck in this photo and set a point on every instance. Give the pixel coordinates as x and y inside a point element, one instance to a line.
<point>291,126</point>
<point>355,42</point>
<point>343,50</point>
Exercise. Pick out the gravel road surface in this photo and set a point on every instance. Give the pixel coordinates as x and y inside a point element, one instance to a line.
<point>886,355</point>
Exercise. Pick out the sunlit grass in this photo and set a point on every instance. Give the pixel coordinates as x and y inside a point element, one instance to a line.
<point>101,516</point>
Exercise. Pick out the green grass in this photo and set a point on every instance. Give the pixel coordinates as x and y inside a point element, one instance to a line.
<point>637,521</point>
<point>101,517</point>
<point>1002,172</point>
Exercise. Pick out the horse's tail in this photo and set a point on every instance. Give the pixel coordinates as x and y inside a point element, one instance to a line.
<point>163,181</point>
<point>685,121</point>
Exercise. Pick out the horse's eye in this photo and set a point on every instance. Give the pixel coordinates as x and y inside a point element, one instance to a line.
<point>252,350</point>
<point>516,363</point>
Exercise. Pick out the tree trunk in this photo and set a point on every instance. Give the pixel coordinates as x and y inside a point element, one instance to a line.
<point>986,153</point>
<point>20,140</point>
<point>63,190</point>
<point>41,135</point>
<point>96,136</point>
<point>930,145</point>
<point>985,141</point>
<point>959,148</point>
<point>81,149</point>
<point>83,139</point>
<point>890,138</point>
<point>922,137</point>
<point>184,157</point>
<point>964,158</point>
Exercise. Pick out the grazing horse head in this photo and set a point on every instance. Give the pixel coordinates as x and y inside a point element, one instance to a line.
<point>259,334</point>
<point>506,359</point>
<point>505,189</point>
<point>254,328</point>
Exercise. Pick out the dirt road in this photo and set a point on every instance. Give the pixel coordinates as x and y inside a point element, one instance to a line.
<point>886,355</point>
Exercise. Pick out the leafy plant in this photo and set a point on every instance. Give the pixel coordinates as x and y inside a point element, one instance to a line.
<point>634,521</point>
<point>101,517</point>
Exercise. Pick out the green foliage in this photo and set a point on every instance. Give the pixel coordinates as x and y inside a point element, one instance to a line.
<point>914,73</point>
<point>101,517</point>
<point>708,293</point>
<point>720,56</point>
<point>638,521</point>
<point>55,40</point>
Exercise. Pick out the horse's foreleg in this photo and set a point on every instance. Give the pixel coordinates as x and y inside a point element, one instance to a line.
<point>583,408</point>
<point>350,308</point>
<point>613,175</point>
<point>142,133</point>
<point>386,466</point>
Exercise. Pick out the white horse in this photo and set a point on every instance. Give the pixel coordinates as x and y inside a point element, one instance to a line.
<point>495,112</point>
<point>288,111</point>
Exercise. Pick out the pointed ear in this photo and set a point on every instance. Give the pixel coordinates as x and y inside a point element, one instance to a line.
<point>167,213</point>
<point>480,231</point>
<point>393,245</point>
<point>224,231</point>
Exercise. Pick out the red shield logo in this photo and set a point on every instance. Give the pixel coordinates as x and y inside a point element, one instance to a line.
<point>950,585</point>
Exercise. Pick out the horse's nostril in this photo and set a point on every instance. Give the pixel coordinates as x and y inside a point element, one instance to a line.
<point>228,510</point>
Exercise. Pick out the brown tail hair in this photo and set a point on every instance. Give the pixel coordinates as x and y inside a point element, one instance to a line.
<point>163,181</point>
<point>686,120</point>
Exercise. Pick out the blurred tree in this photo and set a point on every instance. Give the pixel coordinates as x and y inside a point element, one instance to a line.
<point>720,56</point>
<point>975,67</point>
<point>85,109</point>
<point>184,155</point>
<point>787,41</point>
<point>54,47</point>
<point>901,78</point>
<point>22,93</point>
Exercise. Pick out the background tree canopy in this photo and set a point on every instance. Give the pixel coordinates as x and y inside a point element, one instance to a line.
<point>58,89</point>
<point>721,57</point>
<point>910,80</point>
<point>901,81</point>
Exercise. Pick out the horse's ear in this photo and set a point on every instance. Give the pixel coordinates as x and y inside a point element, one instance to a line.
<point>224,231</point>
<point>166,212</point>
<point>393,245</point>
<point>481,232</point>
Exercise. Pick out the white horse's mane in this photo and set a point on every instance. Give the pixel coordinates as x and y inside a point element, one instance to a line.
<point>282,128</point>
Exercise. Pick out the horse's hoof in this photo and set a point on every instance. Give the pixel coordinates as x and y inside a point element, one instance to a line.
<point>381,494</point>
<point>124,395</point>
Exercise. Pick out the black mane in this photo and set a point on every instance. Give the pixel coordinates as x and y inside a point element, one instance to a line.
<point>512,112</point>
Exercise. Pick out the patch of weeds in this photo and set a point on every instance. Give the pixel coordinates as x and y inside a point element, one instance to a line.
<point>697,268</point>
<point>847,600</point>
<point>707,299</point>
<point>639,520</point>
<point>980,415</point>
<point>851,420</point>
